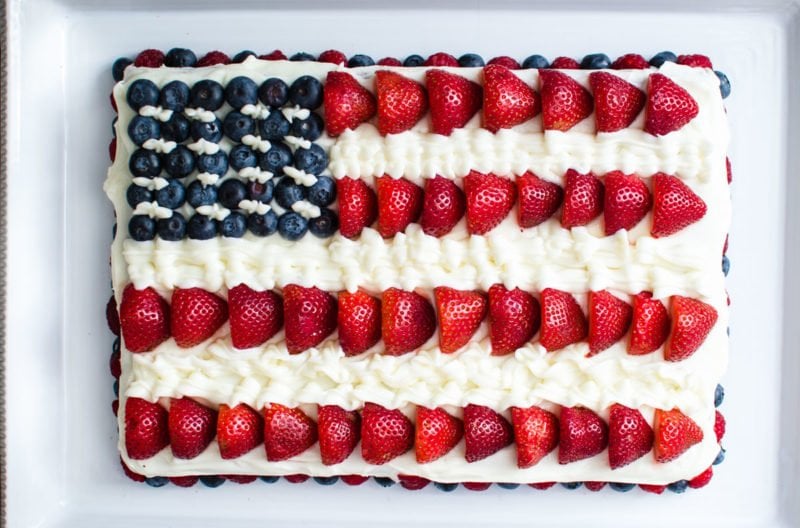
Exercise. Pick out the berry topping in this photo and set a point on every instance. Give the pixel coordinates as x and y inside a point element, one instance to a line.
<point>237,125</point>
<point>302,56</point>
<point>231,192</point>
<point>401,102</point>
<point>702,479</point>
<point>146,430</point>
<point>255,316</point>
<point>210,131</point>
<point>174,96</point>
<point>273,55</point>
<point>616,101</point>
<point>172,228</point>
<point>653,488</point>
<point>287,432</point>
<point>149,58</point>
<point>583,434</point>
<point>207,94</point>
<point>514,319</point>
<point>565,103</point>
<point>436,434</point>
<point>535,61</point>
<point>407,321</point>
<point>453,100</point>
<point>184,482</point>
<point>609,320</point>
<point>724,84</point>
<point>595,61</point>
<point>627,201</point>
<point>112,317</point>
<point>538,199</point>
<point>118,68</point>
<point>306,92</point>
<point>505,61</point>
<point>310,128</point>
<point>695,61</point>
<point>339,433</point>
<point>507,100</point>
<point>485,432</point>
<point>358,206</point>
<point>399,204</point>
<point>262,225</point>
<point>535,433</point>
<point>360,60</point>
<point>332,57</point>
<point>312,160</point>
<point>273,92</point>
<point>675,433</point>
<point>180,58</point>
<point>176,129</point>
<point>142,92</point>
<point>471,60</point>
<point>142,228</point>
<point>275,127</point>
<point>179,162</point>
<point>389,61</point>
<point>669,106</point>
<point>630,61</point>
<point>242,56</point>
<point>565,63</point>
<point>310,317</point>
<point>413,60</point>
<point>144,319</point>
<point>489,200</point>
<point>260,192</point>
<point>143,128</point>
<point>196,315</point>
<point>359,322</point>
<point>322,193</point>
<point>630,437</point>
<point>201,227</point>
<point>594,486</point>
<point>660,58</point>
<point>276,158</point>
<point>692,320</point>
<point>385,434</point>
<point>443,206</point>
<point>233,226</point>
<point>441,59</point>
<point>172,196</point>
<point>719,425</point>
<point>347,103</point>
<point>198,194</point>
<point>239,430</point>
<point>675,205</point>
<point>213,58</point>
<point>353,480</point>
<point>144,164</point>
<point>413,483</point>
<point>136,195</point>
<point>287,192</point>
<point>460,313</point>
<point>650,326</point>
<point>192,426</point>
<point>583,199</point>
<point>563,322</point>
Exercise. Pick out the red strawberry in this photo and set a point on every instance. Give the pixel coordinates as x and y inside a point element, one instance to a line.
<point>389,61</point>
<point>514,318</point>
<point>489,200</point>
<point>213,58</point>
<point>728,170</point>
<point>240,479</point>
<point>192,426</point>
<point>339,432</point>
<point>332,56</point>
<point>565,63</point>
<point>594,485</point>
<point>535,433</point>
<point>112,149</point>
<point>115,407</point>
<point>477,486</point>
<point>460,314</point>
<point>114,363</point>
<point>149,58</point>
<point>650,326</point>
<point>609,320</point>
<point>273,55</point>
<point>146,430</point>
<point>630,61</point>
<point>507,100</point>
<point>485,432</point>
<point>385,434</point>
<point>196,315</point>
<point>399,204</point>
<point>702,479</point>
<point>130,473</point>
<point>453,100</point>
<point>583,199</point>
<point>563,322</point>
<point>112,317</point>
<point>538,199</point>
<point>184,482</point>
<point>255,316</point>
<point>437,433</point>
<point>692,320</point>
<point>354,480</point>
<point>407,321</point>
<point>695,61</point>
<point>144,319</point>
<point>358,206</point>
<point>653,488</point>
<point>505,61</point>
<point>626,202</point>
<point>401,102</point>
<point>669,106</point>
<point>287,432</point>
<point>630,437</point>
<point>565,103</point>
<point>297,478</point>
<point>347,104</point>
<point>441,59</point>
<point>719,425</point>
<point>583,434</point>
<point>412,482</point>
<point>310,316</point>
<point>616,101</point>
<point>359,320</point>
<point>442,207</point>
<point>674,434</point>
<point>239,430</point>
<point>675,205</point>
<point>542,485</point>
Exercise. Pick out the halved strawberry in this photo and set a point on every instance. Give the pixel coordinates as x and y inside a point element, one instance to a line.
<point>399,204</point>
<point>650,324</point>
<point>563,322</point>
<point>507,100</point>
<point>453,100</point>
<point>192,426</point>
<point>460,313</point>
<point>630,61</point>
<point>407,321</point>
<point>146,428</point>
<point>583,199</point>
<point>144,319</point>
<point>385,434</point>
<point>485,432</point>
<point>354,480</point>
<point>310,316</point>
<point>287,432</point>
<point>702,479</point>
<point>630,437</point>
<point>347,104</point>
<point>616,101</point>
<point>627,200</point>
<point>239,430</point>
<point>653,488</point>
<point>535,433</point>
<point>442,207</point>
<point>692,320</point>
<point>514,319</point>
<point>583,434</point>
<point>339,433</point>
<point>538,199</point>
<point>695,61</point>
<point>609,320</point>
<point>719,425</point>
<point>669,106</point>
<point>565,63</point>
<point>255,316</point>
<point>675,205</point>
<point>674,433</point>
<point>401,102</point>
<point>437,433</point>
<point>565,103</point>
<point>332,56</point>
<point>358,206</point>
<point>489,200</point>
<point>196,315</point>
<point>359,320</point>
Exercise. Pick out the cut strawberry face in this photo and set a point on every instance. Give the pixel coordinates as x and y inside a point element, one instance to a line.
<point>255,316</point>
<point>407,321</point>
<point>507,100</point>
<point>399,204</point>
<point>583,435</point>
<point>538,199</point>
<point>616,101</point>
<point>437,433</point>
<point>401,102</point>
<point>287,432</point>
<point>485,432</point>
<point>240,429</point>
<point>675,207</point>
<point>196,315</point>
<point>358,206</point>
<point>489,200</point>
<point>460,313</point>
<point>675,433</point>
<point>583,199</point>
<point>565,103</point>
<point>347,103</point>
<point>692,320</point>
<point>630,437</point>
<point>359,320</point>
<point>563,322</point>
<point>339,433</point>
<point>453,100</point>
<point>626,201</point>
<point>192,426</point>
<point>443,206</point>
<point>310,316</point>
<point>535,434</point>
<point>144,319</point>
<point>609,320</point>
<point>146,428</point>
<point>669,106</point>
<point>514,318</point>
<point>385,434</point>
<point>650,324</point>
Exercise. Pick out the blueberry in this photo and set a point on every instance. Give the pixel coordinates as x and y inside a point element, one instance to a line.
<point>276,158</point>
<point>720,457</point>
<point>242,56</point>
<point>306,91</point>
<point>179,162</point>
<point>156,482</point>
<point>595,61</point>
<point>233,226</point>
<point>207,94</point>
<point>137,194</point>
<point>287,192</point>
<point>360,60</point>
<point>386,482</point>
<point>621,487</point>
<point>172,228</point>
<point>115,388</point>
<point>660,58</point>
<point>310,129</point>
<point>260,192</point>
<point>508,485</point>
<point>198,194</point>
<point>242,156</point>
<point>326,481</point>
<point>144,163</point>
<point>143,128</point>
<point>292,226</point>
<point>212,481</point>
<point>114,231</point>
<point>678,487</point>
<point>322,193</point>
<point>241,91</point>
<point>302,56</point>
<point>572,485</point>
<point>325,225</point>
<point>535,61</point>
<point>142,227</point>
<point>201,227</point>
<point>116,345</point>
<point>172,196</point>
<point>174,96</point>
<point>414,60</point>
<point>263,225</point>
<point>719,395</point>
<point>180,58</point>
<point>237,125</point>
<point>471,60</point>
<point>446,486</point>
<point>211,131</point>
<point>269,479</point>
<point>724,84</point>
<point>118,68</point>
<point>231,192</point>
<point>142,92</point>
<point>274,127</point>
<point>273,92</point>
<point>216,163</point>
<point>312,160</point>
<point>726,265</point>
<point>176,128</point>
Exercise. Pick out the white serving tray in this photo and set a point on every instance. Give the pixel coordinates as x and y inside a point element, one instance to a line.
<point>62,466</point>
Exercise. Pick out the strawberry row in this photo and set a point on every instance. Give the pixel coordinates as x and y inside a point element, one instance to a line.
<point>405,320</point>
<point>486,200</point>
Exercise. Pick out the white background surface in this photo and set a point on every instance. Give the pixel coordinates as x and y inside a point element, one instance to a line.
<point>62,463</point>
